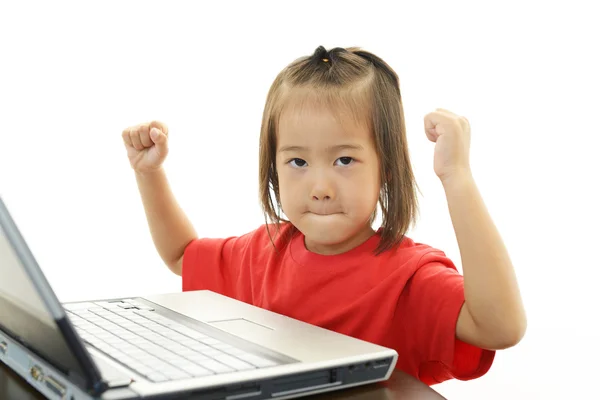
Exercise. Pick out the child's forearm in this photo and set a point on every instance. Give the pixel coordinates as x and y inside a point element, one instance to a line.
<point>491,291</point>
<point>170,228</point>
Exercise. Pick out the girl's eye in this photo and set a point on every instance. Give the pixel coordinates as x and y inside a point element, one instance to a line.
<point>297,162</point>
<point>345,160</point>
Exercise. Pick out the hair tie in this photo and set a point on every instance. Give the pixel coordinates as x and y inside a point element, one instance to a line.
<point>321,55</point>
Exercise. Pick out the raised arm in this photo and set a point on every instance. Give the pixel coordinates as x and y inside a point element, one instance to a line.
<point>171,230</point>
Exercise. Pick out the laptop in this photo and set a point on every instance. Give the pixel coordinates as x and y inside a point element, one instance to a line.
<point>189,345</point>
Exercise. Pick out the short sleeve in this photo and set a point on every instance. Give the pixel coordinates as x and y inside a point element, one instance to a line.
<point>431,303</point>
<point>215,264</point>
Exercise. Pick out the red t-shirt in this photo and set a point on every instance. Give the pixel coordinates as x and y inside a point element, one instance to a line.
<point>407,298</point>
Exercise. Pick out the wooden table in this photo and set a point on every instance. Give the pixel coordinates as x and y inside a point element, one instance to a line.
<point>400,386</point>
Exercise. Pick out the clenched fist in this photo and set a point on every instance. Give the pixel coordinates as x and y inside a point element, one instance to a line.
<point>146,145</point>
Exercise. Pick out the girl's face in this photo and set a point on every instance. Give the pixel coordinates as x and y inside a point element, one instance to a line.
<point>328,179</point>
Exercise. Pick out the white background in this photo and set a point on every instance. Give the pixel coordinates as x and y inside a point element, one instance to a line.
<point>525,74</point>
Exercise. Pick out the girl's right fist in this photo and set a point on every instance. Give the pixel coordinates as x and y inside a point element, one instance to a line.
<point>146,145</point>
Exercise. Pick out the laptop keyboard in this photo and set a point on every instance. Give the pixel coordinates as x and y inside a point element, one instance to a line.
<point>157,347</point>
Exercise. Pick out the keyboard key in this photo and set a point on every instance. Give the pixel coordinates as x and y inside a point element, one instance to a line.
<point>223,347</point>
<point>174,359</point>
<point>189,332</point>
<point>163,366</point>
<point>140,368</point>
<point>187,353</point>
<point>177,337</point>
<point>216,366</point>
<point>149,360</point>
<point>157,377</point>
<point>233,362</point>
<point>199,347</point>
<point>187,342</point>
<point>197,371</point>
<point>184,364</point>
<point>212,353</point>
<point>234,351</point>
<point>209,341</point>
<point>198,358</point>
<point>175,374</point>
<point>126,359</point>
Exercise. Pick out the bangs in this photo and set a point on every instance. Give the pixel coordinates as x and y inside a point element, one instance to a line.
<point>345,104</point>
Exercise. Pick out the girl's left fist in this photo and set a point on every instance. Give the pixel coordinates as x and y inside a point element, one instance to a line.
<point>451,134</point>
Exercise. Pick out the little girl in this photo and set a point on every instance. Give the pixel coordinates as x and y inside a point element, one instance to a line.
<point>333,147</point>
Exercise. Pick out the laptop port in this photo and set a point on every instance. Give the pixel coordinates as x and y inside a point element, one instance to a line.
<point>382,364</point>
<point>56,387</point>
<point>292,385</point>
<point>3,347</point>
<point>36,373</point>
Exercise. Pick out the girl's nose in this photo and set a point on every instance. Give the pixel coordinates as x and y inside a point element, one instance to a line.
<point>321,197</point>
<point>322,189</point>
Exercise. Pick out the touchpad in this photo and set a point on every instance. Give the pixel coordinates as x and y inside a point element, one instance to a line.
<point>241,327</point>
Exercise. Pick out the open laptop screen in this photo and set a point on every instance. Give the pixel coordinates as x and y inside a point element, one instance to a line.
<point>30,312</point>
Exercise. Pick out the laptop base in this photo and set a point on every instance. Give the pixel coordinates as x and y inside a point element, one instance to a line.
<point>55,386</point>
